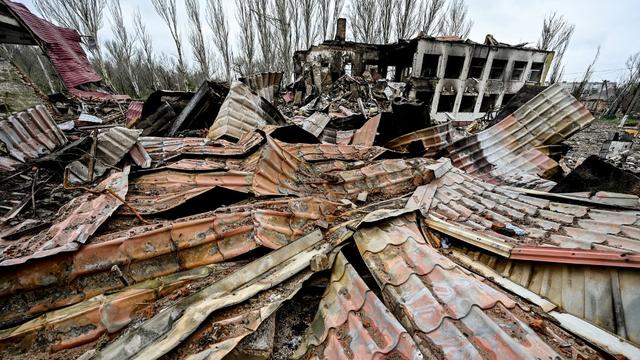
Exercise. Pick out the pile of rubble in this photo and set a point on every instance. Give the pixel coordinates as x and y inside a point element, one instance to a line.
<point>254,220</point>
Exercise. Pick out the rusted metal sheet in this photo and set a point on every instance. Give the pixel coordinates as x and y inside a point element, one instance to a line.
<point>281,172</point>
<point>166,189</point>
<point>602,296</point>
<point>241,112</point>
<point>366,135</point>
<point>429,140</point>
<point>266,84</point>
<point>31,134</point>
<point>87,321</point>
<point>140,156</point>
<point>323,152</point>
<point>554,231</point>
<point>145,252</point>
<point>134,112</point>
<point>549,118</point>
<point>352,322</point>
<point>162,149</point>
<point>113,145</point>
<point>62,46</point>
<point>75,222</point>
<point>162,333</point>
<point>448,310</point>
<point>315,123</point>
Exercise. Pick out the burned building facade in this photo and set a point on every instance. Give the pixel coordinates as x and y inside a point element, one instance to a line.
<point>458,79</point>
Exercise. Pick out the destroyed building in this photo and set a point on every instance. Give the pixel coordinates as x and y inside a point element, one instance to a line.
<point>211,224</point>
<point>459,79</point>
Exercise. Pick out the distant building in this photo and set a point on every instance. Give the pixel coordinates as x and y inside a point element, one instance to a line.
<point>459,79</point>
<point>596,95</point>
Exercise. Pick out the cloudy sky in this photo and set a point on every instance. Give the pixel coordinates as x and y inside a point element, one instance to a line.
<point>611,24</point>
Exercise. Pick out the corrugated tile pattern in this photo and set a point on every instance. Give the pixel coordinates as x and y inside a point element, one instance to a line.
<point>75,223</point>
<point>549,118</point>
<point>315,123</point>
<point>113,145</point>
<point>162,149</point>
<point>352,322</point>
<point>243,111</point>
<point>265,84</point>
<point>366,135</point>
<point>31,134</point>
<point>431,139</point>
<point>470,204</point>
<point>604,296</point>
<point>166,189</point>
<point>450,313</point>
<point>323,152</point>
<point>149,251</point>
<point>62,46</point>
<point>281,172</point>
<point>134,112</point>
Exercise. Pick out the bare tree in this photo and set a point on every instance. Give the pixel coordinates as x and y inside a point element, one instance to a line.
<point>308,19</point>
<point>196,37</point>
<point>329,11</point>
<point>406,18</point>
<point>578,91</point>
<point>363,15</point>
<point>284,42</point>
<point>167,9</point>
<point>455,21</point>
<point>387,8</point>
<point>432,17</point>
<point>261,12</point>
<point>629,89</point>
<point>146,47</point>
<point>555,36</point>
<point>220,27</point>
<point>121,47</point>
<point>244,63</point>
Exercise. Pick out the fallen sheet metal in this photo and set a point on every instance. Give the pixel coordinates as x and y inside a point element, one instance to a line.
<point>166,189</point>
<point>204,104</point>
<point>324,152</point>
<point>145,252</point>
<point>162,149</point>
<point>315,123</point>
<point>448,310</point>
<point>160,334</point>
<point>353,323</point>
<point>425,142</point>
<point>366,135</point>
<point>600,295</point>
<point>31,134</point>
<point>87,321</point>
<point>75,222</point>
<point>241,112</point>
<point>267,84</point>
<point>134,112</point>
<point>547,119</point>
<point>474,211</point>
<point>113,145</point>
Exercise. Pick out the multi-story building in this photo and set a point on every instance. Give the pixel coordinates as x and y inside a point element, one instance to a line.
<point>459,79</point>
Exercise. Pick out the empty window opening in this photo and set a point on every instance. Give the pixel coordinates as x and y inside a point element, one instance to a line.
<point>518,70</point>
<point>506,98</point>
<point>497,69</point>
<point>391,73</point>
<point>424,96</point>
<point>488,103</point>
<point>430,65</point>
<point>476,68</point>
<point>454,67</point>
<point>468,104</point>
<point>446,102</point>
<point>347,69</point>
<point>536,72</point>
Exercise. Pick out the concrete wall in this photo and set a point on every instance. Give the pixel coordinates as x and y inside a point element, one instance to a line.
<point>481,87</point>
<point>15,94</point>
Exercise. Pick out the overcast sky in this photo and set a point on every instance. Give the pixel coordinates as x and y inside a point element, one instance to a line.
<point>611,24</point>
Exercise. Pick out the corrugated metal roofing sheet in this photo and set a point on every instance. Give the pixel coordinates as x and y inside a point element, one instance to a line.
<point>600,295</point>
<point>549,118</point>
<point>134,112</point>
<point>75,223</point>
<point>243,111</point>
<point>431,139</point>
<point>449,311</point>
<point>113,145</point>
<point>468,204</point>
<point>366,135</point>
<point>31,134</point>
<point>353,323</point>
<point>265,84</point>
<point>315,123</point>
